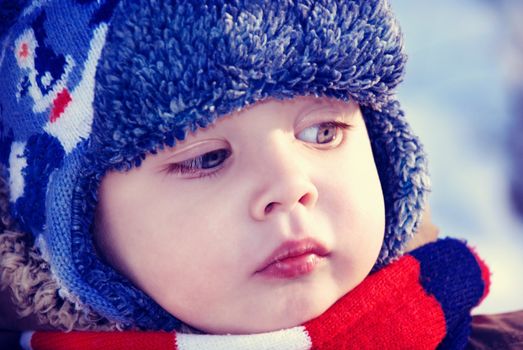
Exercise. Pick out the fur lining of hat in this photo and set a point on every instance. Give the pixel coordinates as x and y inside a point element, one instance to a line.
<point>32,288</point>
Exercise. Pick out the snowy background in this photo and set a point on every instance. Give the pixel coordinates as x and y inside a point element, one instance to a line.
<point>464,69</point>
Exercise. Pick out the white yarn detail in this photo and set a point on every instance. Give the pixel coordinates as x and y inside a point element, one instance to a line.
<point>17,163</point>
<point>42,102</point>
<point>25,340</point>
<point>290,339</point>
<point>35,5</point>
<point>75,122</point>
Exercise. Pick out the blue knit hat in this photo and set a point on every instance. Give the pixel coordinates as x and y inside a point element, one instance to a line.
<point>88,86</point>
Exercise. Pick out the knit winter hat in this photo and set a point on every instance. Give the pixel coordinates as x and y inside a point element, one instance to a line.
<point>88,86</point>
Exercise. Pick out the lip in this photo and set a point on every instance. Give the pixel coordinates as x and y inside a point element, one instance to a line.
<point>293,259</point>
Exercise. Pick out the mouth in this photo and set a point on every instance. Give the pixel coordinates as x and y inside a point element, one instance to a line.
<point>293,259</point>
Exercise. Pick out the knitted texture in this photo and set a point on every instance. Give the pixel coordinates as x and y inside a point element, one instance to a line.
<point>9,12</point>
<point>394,308</point>
<point>91,86</point>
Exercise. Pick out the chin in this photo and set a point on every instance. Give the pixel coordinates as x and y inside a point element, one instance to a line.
<point>275,313</point>
<point>270,323</point>
<point>297,312</point>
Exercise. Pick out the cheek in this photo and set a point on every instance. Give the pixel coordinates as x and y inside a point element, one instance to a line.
<point>190,258</point>
<point>356,199</point>
<point>360,215</point>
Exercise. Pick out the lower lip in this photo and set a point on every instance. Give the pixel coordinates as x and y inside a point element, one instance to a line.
<point>293,267</point>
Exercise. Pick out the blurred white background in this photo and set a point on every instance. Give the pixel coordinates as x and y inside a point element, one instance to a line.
<point>464,69</point>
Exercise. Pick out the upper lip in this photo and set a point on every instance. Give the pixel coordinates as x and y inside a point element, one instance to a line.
<point>293,248</point>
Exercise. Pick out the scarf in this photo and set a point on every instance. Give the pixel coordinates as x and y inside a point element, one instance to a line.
<point>420,301</point>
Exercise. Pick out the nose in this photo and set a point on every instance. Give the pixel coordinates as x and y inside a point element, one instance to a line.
<point>284,182</point>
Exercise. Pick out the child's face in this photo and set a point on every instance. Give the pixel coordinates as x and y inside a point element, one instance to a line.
<point>260,222</point>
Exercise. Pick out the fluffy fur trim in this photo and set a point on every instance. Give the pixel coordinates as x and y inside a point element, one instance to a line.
<point>33,290</point>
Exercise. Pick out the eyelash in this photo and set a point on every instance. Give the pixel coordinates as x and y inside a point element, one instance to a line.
<point>338,124</point>
<point>193,167</point>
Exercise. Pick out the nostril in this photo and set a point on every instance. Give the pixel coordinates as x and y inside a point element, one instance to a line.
<point>269,207</point>
<point>306,199</point>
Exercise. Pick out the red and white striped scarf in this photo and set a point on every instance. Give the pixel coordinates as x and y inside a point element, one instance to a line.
<point>390,309</point>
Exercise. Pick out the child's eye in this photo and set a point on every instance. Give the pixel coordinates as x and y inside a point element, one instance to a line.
<point>328,133</point>
<point>202,165</point>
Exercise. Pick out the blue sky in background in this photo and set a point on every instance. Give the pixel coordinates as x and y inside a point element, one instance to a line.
<point>457,97</point>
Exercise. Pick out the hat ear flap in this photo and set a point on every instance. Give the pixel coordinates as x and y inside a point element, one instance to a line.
<point>403,171</point>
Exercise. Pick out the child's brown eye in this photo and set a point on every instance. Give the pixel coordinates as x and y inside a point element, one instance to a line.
<point>327,133</point>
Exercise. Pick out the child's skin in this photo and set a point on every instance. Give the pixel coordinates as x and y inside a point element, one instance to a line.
<point>282,176</point>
